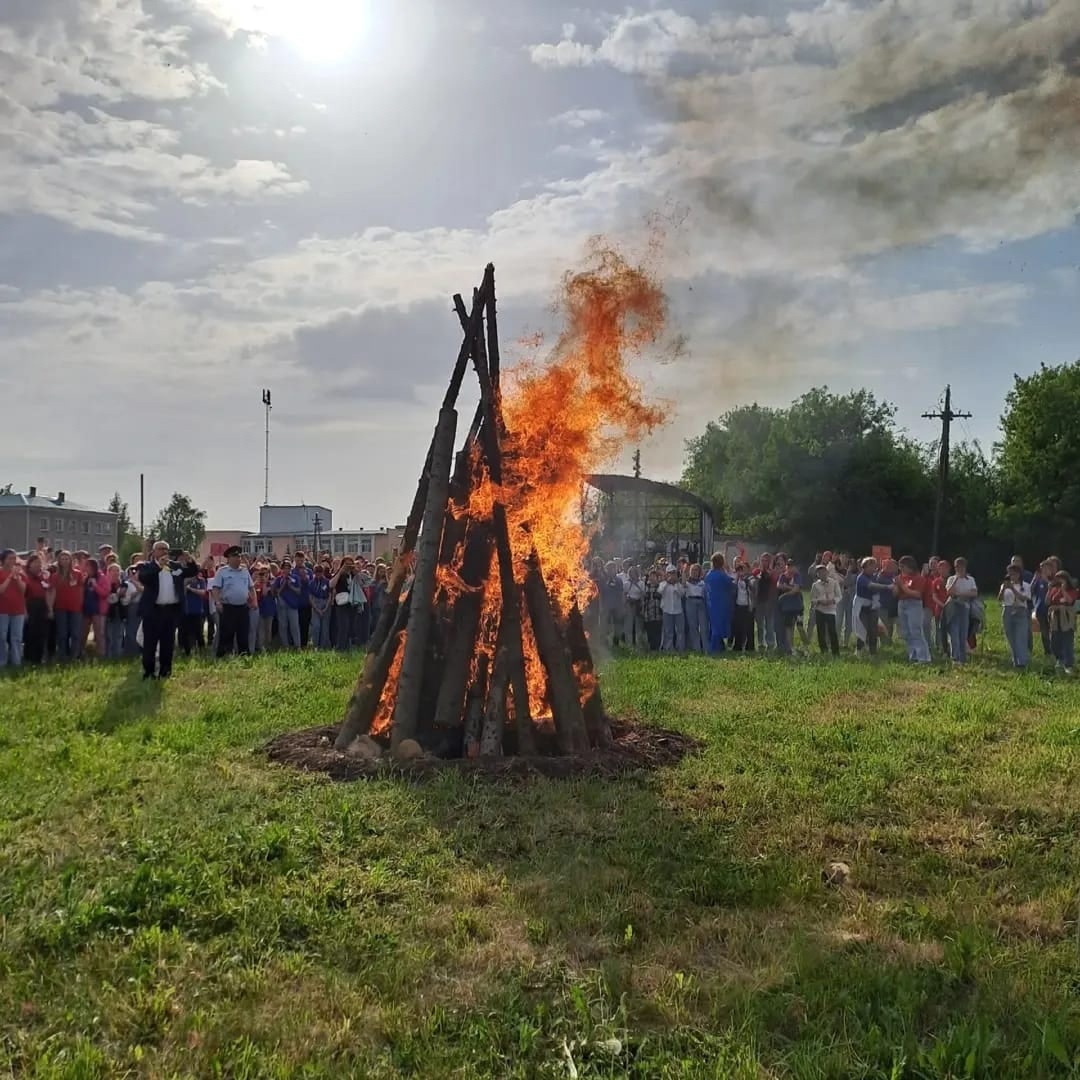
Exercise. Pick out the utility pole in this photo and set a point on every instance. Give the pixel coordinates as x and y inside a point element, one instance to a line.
<point>316,526</point>
<point>266,487</point>
<point>637,463</point>
<point>142,506</point>
<point>946,416</point>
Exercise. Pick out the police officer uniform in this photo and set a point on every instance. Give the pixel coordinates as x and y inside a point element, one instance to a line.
<point>234,588</point>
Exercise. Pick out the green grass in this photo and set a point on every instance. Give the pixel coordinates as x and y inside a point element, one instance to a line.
<point>172,905</point>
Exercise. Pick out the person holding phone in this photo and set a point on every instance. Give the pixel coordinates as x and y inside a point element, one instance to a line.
<point>162,576</point>
<point>1015,597</point>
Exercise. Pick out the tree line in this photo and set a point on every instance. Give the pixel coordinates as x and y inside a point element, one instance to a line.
<point>835,470</point>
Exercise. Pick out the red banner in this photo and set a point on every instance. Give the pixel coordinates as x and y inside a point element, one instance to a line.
<point>881,552</point>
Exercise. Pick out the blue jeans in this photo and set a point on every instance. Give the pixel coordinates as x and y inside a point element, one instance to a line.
<point>11,640</point>
<point>959,624</point>
<point>674,638</point>
<point>1016,621</point>
<point>114,638</point>
<point>1064,646</point>
<point>289,626</point>
<point>910,614</point>
<point>697,624</point>
<point>320,629</point>
<point>69,635</point>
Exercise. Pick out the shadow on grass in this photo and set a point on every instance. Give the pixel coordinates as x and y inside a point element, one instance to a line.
<point>675,925</point>
<point>133,699</point>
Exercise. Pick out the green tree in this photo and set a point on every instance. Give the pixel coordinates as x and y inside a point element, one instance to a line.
<point>1038,503</point>
<point>118,507</point>
<point>830,469</point>
<point>181,524</point>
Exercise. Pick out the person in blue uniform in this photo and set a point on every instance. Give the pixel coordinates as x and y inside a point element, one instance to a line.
<point>719,598</point>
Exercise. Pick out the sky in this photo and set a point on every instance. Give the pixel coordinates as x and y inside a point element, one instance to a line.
<point>203,198</point>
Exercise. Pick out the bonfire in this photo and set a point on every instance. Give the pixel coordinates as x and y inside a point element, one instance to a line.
<point>481,649</point>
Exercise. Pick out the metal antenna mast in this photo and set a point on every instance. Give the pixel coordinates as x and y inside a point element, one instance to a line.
<point>266,488</point>
<point>946,416</point>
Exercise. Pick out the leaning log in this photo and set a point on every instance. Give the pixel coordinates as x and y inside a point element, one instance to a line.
<point>596,722</point>
<point>364,702</point>
<point>472,325</point>
<point>491,736</point>
<point>510,620</point>
<point>566,708</point>
<point>465,629</point>
<point>410,684</point>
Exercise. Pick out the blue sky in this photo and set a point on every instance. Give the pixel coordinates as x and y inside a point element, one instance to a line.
<point>200,198</point>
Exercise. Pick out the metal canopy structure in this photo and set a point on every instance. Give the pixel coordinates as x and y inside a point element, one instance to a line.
<point>645,518</point>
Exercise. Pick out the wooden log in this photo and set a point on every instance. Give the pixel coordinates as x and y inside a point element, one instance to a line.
<point>491,736</point>
<point>466,627</point>
<point>478,416</point>
<point>410,685</point>
<point>472,324</point>
<point>566,708</point>
<point>475,328</point>
<point>494,360</point>
<point>364,702</point>
<point>510,621</point>
<point>474,708</point>
<point>596,722</point>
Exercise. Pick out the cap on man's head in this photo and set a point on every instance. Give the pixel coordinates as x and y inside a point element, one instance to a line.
<point>233,552</point>
<point>105,547</point>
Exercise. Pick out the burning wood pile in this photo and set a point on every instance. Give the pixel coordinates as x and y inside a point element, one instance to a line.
<point>485,652</point>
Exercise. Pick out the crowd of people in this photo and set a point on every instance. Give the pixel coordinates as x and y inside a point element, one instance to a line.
<point>68,606</point>
<point>766,605</point>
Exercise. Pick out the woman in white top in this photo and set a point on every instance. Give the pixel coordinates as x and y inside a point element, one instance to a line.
<point>962,590</point>
<point>1015,597</point>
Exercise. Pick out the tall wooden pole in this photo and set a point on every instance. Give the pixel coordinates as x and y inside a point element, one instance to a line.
<point>946,416</point>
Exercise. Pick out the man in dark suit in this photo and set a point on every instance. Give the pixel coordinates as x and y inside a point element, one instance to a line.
<point>162,578</point>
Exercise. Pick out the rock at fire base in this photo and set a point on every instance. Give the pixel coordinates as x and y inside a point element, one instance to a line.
<point>409,750</point>
<point>836,874</point>
<point>365,747</point>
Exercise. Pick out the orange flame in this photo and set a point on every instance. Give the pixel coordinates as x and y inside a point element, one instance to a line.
<point>565,419</point>
<point>569,418</point>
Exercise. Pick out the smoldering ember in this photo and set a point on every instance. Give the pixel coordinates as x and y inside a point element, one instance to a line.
<point>481,650</point>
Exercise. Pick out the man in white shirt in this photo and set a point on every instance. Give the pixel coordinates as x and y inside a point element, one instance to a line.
<point>162,579</point>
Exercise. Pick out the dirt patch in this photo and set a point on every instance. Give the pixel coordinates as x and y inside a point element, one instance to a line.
<point>635,747</point>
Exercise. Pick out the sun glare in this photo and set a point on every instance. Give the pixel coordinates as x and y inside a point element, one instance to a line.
<point>321,31</point>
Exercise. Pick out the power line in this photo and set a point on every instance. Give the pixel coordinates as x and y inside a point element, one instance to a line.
<point>946,416</point>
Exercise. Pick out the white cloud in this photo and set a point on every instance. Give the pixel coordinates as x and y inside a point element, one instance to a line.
<point>844,131</point>
<point>579,118</point>
<point>89,166</point>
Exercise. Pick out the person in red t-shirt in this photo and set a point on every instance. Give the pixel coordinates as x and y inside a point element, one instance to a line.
<point>1062,600</point>
<point>909,587</point>
<point>66,605</point>
<point>37,611</point>
<point>12,609</point>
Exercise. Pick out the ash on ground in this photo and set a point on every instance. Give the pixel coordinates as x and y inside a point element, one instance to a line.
<point>634,747</point>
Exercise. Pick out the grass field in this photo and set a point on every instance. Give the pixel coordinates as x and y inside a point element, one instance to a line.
<point>172,905</point>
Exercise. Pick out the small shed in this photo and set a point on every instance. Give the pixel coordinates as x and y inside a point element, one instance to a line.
<point>638,518</point>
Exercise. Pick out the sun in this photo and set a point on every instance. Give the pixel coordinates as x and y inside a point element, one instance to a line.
<point>321,31</point>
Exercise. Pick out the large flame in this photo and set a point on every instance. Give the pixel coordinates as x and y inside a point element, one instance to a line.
<point>565,418</point>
